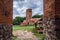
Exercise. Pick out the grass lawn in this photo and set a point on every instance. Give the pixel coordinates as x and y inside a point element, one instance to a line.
<point>28,28</point>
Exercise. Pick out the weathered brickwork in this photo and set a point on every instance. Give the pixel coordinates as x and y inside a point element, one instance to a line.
<point>28,14</point>
<point>51,19</point>
<point>6,11</point>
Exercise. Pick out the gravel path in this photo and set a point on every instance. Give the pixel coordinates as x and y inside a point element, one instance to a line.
<point>24,35</point>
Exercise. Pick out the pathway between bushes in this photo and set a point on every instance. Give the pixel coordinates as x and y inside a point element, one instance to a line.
<point>24,35</point>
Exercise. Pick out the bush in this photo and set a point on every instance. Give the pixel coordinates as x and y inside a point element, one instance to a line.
<point>18,20</point>
<point>37,16</point>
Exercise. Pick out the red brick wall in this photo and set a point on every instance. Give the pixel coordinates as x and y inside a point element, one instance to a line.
<point>6,11</point>
<point>49,8</point>
<point>51,19</point>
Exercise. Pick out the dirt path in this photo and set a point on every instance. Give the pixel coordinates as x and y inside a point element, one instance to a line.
<point>24,35</point>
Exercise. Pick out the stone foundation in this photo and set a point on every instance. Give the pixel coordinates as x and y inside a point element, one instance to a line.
<point>5,32</point>
<point>52,29</point>
<point>49,30</point>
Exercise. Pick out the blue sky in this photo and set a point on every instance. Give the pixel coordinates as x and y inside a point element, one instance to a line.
<point>20,6</point>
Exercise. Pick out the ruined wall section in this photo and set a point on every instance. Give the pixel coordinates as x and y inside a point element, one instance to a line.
<point>57,18</point>
<point>6,13</point>
<point>49,19</point>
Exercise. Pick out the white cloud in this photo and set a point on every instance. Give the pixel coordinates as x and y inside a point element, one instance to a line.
<point>20,6</point>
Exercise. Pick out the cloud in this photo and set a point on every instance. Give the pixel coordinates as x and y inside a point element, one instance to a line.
<point>20,6</point>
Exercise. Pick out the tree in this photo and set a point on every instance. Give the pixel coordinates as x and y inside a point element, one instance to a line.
<point>37,16</point>
<point>18,20</point>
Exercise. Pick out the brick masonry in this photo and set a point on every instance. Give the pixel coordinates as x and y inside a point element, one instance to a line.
<point>6,11</point>
<point>28,17</point>
<point>51,20</point>
<point>28,14</point>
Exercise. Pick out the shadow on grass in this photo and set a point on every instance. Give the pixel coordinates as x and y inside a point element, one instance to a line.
<point>39,35</point>
<point>14,37</point>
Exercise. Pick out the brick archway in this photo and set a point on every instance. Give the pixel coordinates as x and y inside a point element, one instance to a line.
<point>51,20</point>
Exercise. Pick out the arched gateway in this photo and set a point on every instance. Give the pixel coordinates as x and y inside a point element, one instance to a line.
<point>51,19</point>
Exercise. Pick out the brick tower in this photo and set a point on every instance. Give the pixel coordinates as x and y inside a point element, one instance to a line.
<point>28,14</point>
<point>28,17</point>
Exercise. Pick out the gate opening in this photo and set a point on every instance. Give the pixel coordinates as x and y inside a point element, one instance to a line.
<point>27,19</point>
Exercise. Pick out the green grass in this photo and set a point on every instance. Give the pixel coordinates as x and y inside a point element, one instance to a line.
<point>17,27</point>
<point>28,28</point>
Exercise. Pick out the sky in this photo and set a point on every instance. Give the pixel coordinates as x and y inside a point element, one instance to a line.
<point>20,6</point>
